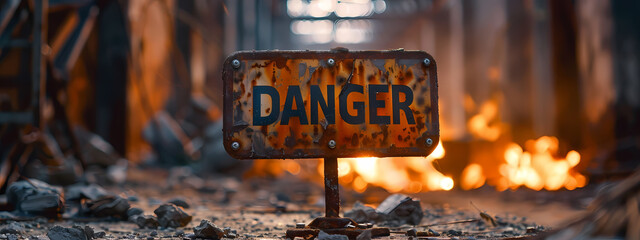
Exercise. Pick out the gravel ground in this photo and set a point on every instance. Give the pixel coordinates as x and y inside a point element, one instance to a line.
<point>265,208</point>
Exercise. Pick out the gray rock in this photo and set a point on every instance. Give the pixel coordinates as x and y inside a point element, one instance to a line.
<point>325,236</point>
<point>170,215</point>
<point>12,228</point>
<point>454,232</point>
<point>111,206</point>
<point>208,230</point>
<point>361,213</point>
<point>134,211</point>
<point>72,233</point>
<point>145,221</point>
<point>401,209</point>
<point>35,197</point>
<point>180,202</point>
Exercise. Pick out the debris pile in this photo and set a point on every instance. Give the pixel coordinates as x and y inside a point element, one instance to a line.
<point>396,210</point>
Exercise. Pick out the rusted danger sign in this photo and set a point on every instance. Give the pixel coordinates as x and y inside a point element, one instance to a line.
<point>310,104</point>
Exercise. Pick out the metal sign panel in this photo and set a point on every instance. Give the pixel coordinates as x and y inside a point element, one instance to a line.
<point>314,104</point>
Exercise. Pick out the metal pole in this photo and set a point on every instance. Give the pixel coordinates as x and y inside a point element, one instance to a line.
<point>331,187</point>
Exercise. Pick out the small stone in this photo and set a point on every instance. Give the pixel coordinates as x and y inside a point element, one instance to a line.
<point>35,197</point>
<point>325,236</point>
<point>362,213</point>
<point>12,228</point>
<point>170,215</point>
<point>180,202</point>
<point>100,235</point>
<point>146,221</point>
<point>134,211</point>
<point>154,233</point>
<point>433,233</point>
<point>532,230</point>
<point>61,233</point>
<point>412,232</point>
<point>110,206</point>
<point>401,209</point>
<point>88,231</point>
<point>454,232</point>
<point>207,229</point>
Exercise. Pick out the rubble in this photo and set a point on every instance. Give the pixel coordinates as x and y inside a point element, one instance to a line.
<point>12,228</point>
<point>362,214</point>
<point>208,230</point>
<point>34,197</point>
<point>400,209</point>
<point>170,215</point>
<point>145,221</point>
<point>110,206</point>
<point>72,233</point>
<point>396,210</point>
<point>134,212</point>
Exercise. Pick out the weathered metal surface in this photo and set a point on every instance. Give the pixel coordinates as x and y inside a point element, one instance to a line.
<point>360,100</point>
<point>331,187</point>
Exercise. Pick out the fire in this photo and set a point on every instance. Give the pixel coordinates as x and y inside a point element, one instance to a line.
<point>407,174</point>
<point>538,166</point>
<point>535,167</point>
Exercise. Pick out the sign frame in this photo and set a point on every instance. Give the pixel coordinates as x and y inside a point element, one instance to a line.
<point>327,147</point>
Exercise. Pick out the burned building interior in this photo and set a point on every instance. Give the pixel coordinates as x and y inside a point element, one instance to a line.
<point>121,119</point>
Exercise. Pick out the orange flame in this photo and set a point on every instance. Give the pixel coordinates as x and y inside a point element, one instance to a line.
<point>408,174</point>
<point>537,168</point>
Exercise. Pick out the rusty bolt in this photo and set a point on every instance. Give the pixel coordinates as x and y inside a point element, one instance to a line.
<point>332,144</point>
<point>235,145</point>
<point>331,62</point>
<point>426,62</point>
<point>429,142</point>
<point>235,63</point>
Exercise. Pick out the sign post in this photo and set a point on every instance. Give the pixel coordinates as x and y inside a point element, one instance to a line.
<point>330,104</point>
